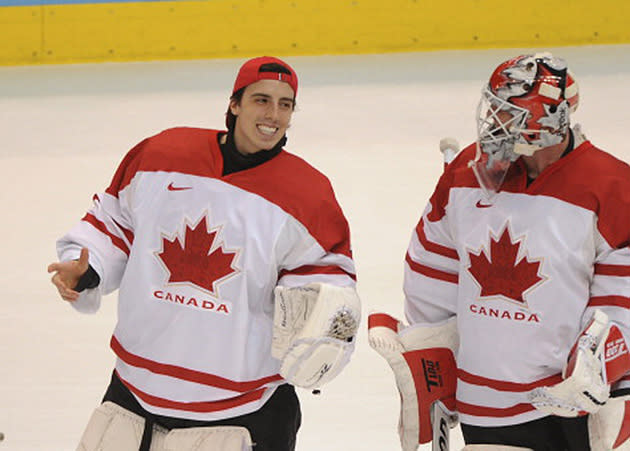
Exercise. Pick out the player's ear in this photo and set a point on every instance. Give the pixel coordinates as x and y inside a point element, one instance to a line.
<point>234,106</point>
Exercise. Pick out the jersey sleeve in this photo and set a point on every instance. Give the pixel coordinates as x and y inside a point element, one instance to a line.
<point>610,285</point>
<point>107,231</point>
<point>316,246</point>
<point>431,264</point>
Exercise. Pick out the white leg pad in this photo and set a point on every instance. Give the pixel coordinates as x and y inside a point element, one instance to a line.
<point>112,428</point>
<point>609,428</point>
<point>224,438</point>
<point>494,448</point>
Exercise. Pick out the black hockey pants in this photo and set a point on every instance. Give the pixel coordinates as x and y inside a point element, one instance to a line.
<point>273,427</point>
<point>546,434</point>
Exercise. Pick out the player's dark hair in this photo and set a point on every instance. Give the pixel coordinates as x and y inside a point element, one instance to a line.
<point>238,95</point>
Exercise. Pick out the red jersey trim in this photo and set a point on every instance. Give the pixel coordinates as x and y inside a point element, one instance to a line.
<point>612,270</point>
<point>101,227</point>
<point>203,406</point>
<point>495,384</point>
<point>309,270</point>
<point>382,320</point>
<point>187,374</point>
<point>431,272</point>
<point>609,301</point>
<point>196,152</point>
<point>434,247</point>
<point>496,412</point>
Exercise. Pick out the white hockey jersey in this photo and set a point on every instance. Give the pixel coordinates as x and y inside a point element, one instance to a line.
<point>522,273</point>
<point>196,256</point>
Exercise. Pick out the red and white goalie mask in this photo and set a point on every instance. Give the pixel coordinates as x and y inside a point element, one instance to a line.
<point>524,107</point>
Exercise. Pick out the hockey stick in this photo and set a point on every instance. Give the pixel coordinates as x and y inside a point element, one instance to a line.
<point>449,148</point>
<point>441,422</point>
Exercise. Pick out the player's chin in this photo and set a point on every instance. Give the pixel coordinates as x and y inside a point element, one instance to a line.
<point>269,143</point>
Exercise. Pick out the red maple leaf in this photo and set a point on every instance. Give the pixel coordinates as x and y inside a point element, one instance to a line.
<point>499,274</point>
<point>192,261</point>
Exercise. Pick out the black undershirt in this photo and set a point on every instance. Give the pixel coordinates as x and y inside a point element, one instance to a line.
<point>234,161</point>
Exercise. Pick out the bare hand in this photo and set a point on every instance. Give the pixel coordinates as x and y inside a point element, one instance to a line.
<point>67,275</point>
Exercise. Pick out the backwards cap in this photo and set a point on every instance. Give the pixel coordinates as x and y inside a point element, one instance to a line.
<point>250,73</point>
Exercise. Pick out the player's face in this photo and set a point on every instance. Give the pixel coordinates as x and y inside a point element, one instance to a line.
<point>264,114</point>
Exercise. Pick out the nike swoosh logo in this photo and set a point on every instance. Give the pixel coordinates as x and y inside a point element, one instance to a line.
<point>480,205</point>
<point>172,187</point>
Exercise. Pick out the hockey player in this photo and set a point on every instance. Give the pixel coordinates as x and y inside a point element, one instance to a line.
<point>524,245</point>
<point>236,281</point>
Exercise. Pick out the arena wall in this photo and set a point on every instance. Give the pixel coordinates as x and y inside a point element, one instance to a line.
<point>76,31</point>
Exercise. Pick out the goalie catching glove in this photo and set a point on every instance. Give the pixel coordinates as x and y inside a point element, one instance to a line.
<point>422,358</point>
<point>314,331</point>
<point>598,358</point>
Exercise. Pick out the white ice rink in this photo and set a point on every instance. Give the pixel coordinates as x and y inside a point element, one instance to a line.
<point>371,123</point>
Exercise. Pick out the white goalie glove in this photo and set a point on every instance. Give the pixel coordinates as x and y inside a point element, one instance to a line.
<point>599,357</point>
<point>314,332</point>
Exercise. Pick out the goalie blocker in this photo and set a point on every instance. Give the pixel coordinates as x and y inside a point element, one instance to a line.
<point>423,362</point>
<point>314,332</point>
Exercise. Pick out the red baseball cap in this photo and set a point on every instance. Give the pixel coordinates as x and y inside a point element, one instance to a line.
<point>250,73</point>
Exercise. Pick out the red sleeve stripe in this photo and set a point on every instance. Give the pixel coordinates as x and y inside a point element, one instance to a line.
<point>495,384</point>
<point>495,412</point>
<point>609,301</point>
<point>128,233</point>
<point>382,320</point>
<point>309,270</point>
<point>434,247</point>
<point>431,272</point>
<point>612,270</point>
<point>203,406</point>
<point>100,226</point>
<point>187,374</point>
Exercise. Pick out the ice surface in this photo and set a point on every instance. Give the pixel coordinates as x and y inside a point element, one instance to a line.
<point>372,123</point>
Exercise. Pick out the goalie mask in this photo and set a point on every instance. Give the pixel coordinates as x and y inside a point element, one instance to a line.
<point>524,107</point>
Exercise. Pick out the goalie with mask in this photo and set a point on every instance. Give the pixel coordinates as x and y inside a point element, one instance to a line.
<point>521,267</point>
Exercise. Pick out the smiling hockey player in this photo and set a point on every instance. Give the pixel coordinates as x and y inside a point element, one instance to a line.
<point>236,281</point>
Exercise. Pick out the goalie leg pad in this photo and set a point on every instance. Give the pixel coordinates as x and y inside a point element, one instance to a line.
<point>224,438</point>
<point>426,378</point>
<point>314,332</point>
<point>112,428</point>
<point>609,428</point>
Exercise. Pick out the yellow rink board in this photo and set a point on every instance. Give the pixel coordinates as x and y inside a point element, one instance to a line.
<point>134,31</point>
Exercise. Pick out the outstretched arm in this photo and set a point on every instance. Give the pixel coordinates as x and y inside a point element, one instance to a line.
<point>67,275</point>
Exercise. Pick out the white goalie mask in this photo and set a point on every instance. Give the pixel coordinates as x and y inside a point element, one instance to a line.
<point>524,107</point>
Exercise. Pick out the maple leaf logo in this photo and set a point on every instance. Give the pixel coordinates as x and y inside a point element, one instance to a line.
<point>198,258</point>
<point>498,273</point>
